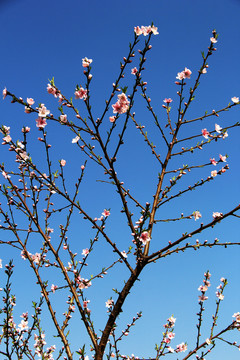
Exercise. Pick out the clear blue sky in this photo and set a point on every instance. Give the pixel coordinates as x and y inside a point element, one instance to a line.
<point>43,39</point>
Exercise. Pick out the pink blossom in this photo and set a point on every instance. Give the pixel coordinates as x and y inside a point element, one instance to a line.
<point>4,93</point>
<point>109,303</point>
<point>81,94</point>
<point>208,341</point>
<point>219,295</point>
<point>222,158</point>
<point>185,74</point>
<point>52,90</point>
<point>146,30</point>
<point>5,175</point>
<point>63,162</point>
<point>197,215</point>
<point>26,129</point>
<point>75,140</point>
<point>41,123</point>
<point>30,101</point>
<point>171,335</point>
<point>85,252</point>
<point>42,111</point>
<point>202,298</point>
<point>204,71</point>
<point>85,303</point>
<point>7,139</point>
<point>213,40</point>
<point>106,213</point>
<point>154,30</point>
<point>144,237</point>
<point>170,349</point>
<point>205,133</point>
<point>63,118</point>
<point>172,320</point>
<point>181,347</point>
<point>167,101</point>
<point>82,167</point>
<point>218,128</point>
<point>214,173</point>
<point>124,254</point>
<point>235,99</point>
<point>134,71</point>
<point>0,263</point>
<point>225,135</point>
<point>213,161</point>
<point>137,30</point>
<point>27,110</point>
<point>23,325</point>
<point>36,258</point>
<point>112,119</point>
<point>217,214</point>
<point>86,62</point>
<point>121,105</point>
<point>237,317</point>
<point>54,288</point>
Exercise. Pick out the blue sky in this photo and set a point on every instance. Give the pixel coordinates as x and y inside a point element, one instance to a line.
<point>49,38</point>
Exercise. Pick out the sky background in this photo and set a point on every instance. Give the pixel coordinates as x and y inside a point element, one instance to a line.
<point>49,38</point>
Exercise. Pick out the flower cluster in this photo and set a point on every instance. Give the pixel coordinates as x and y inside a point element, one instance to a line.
<point>204,288</point>
<point>122,105</point>
<point>185,74</point>
<point>146,30</point>
<point>81,93</point>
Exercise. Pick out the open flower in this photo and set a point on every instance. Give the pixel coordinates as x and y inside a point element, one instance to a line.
<point>86,62</point>
<point>144,237</point>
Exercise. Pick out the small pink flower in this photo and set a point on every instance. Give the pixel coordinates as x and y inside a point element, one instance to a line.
<point>85,303</point>
<point>218,128</point>
<point>217,215</point>
<point>213,161</point>
<point>225,135</point>
<point>185,74</point>
<point>63,119</point>
<point>86,62</point>
<point>112,119</point>
<point>81,94</point>
<point>235,99</point>
<point>171,335</point>
<point>154,30</point>
<point>26,129</point>
<point>75,140</point>
<point>63,162</point>
<point>181,347</point>
<point>144,237</point>
<point>214,173</point>
<point>219,295</point>
<point>7,139</point>
<point>30,101</point>
<point>85,252</point>
<point>41,123</point>
<point>197,215</point>
<point>82,167</point>
<point>43,112</point>
<point>213,40</point>
<point>124,254</point>
<point>222,158</point>
<point>146,30</point>
<point>54,288</point>
<point>106,213</point>
<point>137,30</point>
<point>134,71</point>
<point>204,71</point>
<point>4,93</point>
<point>51,90</point>
<point>167,101</point>
<point>205,133</point>
<point>109,303</point>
